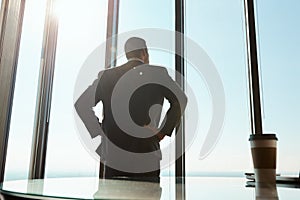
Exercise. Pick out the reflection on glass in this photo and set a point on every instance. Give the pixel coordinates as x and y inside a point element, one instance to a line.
<point>128,189</point>
<point>22,118</point>
<point>85,188</point>
<point>82,27</point>
<point>90,188</point>
<point>279,51</point>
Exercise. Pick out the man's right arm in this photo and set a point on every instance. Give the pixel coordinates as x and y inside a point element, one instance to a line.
<point>84,107</point>
<point>178,101</point>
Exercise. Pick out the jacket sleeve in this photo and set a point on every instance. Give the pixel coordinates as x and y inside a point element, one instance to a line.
<point>84,108</point>
<point>177,99</point>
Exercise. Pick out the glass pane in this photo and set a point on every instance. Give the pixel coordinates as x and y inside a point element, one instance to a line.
<point>22,119</point>
<point>82,27</point>
<point>149,14</point>
<point>279,51</point>
<point>218,28</point>
<point>134,18</point>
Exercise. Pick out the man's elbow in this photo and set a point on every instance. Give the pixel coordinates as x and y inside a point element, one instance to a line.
<point>183,102</point>
<point>77,106</point>
<point>185,99</point>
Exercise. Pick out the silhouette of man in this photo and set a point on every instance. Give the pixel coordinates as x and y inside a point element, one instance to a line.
<point>132,96</point>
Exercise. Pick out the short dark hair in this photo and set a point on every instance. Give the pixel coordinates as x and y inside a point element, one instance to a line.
<point>134,47</point>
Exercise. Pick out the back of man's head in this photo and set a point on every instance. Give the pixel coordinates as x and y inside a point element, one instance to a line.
<point>134,47</point>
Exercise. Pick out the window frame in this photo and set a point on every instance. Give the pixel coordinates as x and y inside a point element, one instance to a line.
<point>11,21</point>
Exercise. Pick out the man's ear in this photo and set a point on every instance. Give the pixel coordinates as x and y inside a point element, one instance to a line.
<point>145,56</point>
<point>143,53</point>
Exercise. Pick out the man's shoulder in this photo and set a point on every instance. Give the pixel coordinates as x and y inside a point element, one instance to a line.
<point>116,68</point>
<point>156,68</point>
<point>108,71</point>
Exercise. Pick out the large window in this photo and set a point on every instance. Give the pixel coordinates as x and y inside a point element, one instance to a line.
<point>218,27</point>
<point>82,28</point>
<point>278,38</point>
<point>22,119</point>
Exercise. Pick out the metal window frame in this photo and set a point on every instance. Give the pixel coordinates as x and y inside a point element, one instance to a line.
<point>11,21</point>
<point>253,69</point>
<point>43,103</point>
<point>180,69</point>
<point>111,33</point>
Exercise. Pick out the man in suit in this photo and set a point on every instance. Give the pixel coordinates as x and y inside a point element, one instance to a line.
<point>132,96</point>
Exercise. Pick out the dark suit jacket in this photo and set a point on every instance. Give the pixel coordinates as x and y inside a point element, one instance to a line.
<point>113,87</point>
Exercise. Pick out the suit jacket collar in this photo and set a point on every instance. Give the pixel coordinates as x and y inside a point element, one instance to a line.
<point>135,59</point>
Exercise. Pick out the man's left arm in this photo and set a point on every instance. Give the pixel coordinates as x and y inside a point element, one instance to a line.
<point>177,99</point>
